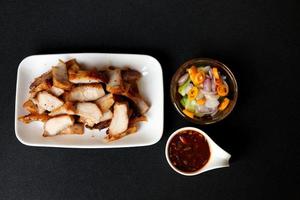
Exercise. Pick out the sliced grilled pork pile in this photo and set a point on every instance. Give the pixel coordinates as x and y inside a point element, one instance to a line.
<point>68,98</point>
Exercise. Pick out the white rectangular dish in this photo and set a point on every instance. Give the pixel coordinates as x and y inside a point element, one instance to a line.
<point>150,85</point>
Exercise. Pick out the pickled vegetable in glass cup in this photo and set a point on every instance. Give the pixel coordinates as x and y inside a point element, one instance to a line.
<point>204,90</point>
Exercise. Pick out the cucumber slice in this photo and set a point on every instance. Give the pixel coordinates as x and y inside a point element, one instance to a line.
<point>183,101</point>
<point>181,89</point>
<point>191,105</point>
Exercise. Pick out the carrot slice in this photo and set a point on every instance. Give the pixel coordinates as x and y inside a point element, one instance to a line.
<point>192,94</point>
<point>192,70</point>
<point>198,78</point>
<point>222,90</point>
<point>224,104</point>
<point>195,77</point>
<point>188,113</point>
<point>201,101</point>
<point>215,72</point>
<point>219,81</point>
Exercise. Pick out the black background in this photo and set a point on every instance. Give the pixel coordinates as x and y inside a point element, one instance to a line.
<point>258,40</point>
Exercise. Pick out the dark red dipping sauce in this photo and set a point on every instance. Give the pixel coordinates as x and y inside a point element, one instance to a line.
<point>188,151</point>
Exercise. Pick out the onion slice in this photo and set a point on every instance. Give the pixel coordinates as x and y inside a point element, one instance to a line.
<point>211,103</point>
<point>212,96</point>
<point>200,95</point>
<point>206,69</point>
<point>208,93</point>
<point>207,85</point>
<point>213,84</point>
<point>202,109</point>
<point>210,73</point>
<point>183,79</point>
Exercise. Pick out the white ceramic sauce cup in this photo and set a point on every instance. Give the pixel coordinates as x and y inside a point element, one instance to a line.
<point>218,157</point>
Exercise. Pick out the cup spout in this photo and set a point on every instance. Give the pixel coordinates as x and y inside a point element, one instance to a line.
<point>219,159</point>
<point>222,160</point>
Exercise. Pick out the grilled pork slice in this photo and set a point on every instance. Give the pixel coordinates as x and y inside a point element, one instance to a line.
<point>106,116</point>
<point>30,106</point>
<point>135,120</point>
<point>141,104</point>
<point>60,76</point>
<point>130,75</point>
<point>56,124</point>
<point>103,77</point>
<point>119,122</point>
<point>65,96</point>
<point>88,92</point>
<point>132,92</point>
<point>42,78</point>
<point>72,65</point>
<point>82,76</point>
<point>67,108</point>
<point>105,102</point>
<point>56,91</point>
<point>44,85</point>
<point>130,130</point>
<point>101,125</point>
<point>89,113</point>
<point>77,129</point>
<point>40,110</point>
<point>48,102</point>
<point>33,117</point>
<point>115,83</point>
<point>76,75</point>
